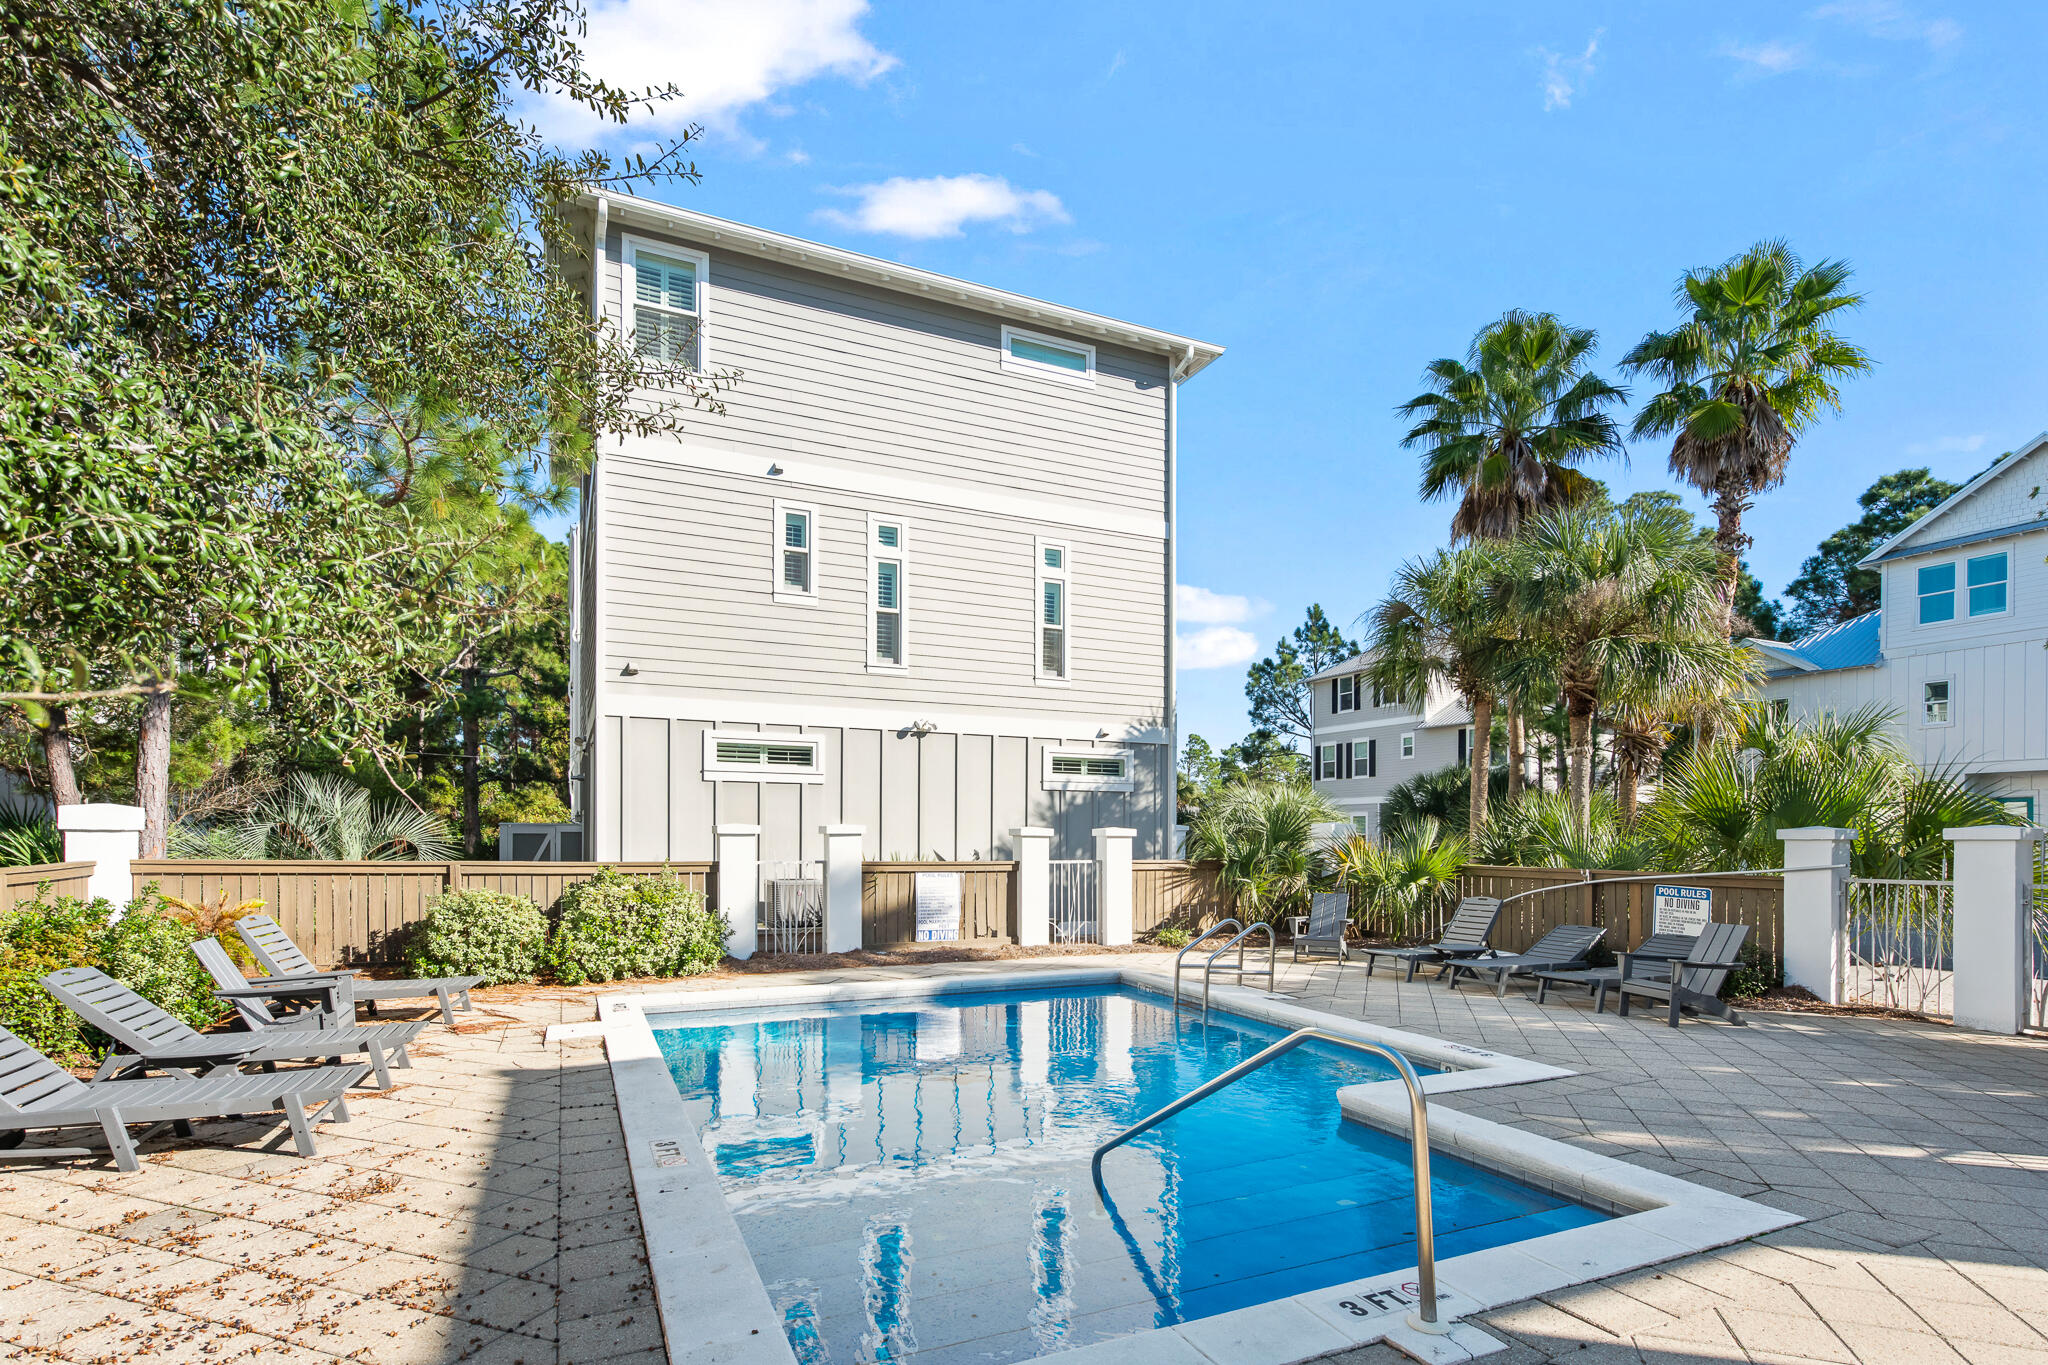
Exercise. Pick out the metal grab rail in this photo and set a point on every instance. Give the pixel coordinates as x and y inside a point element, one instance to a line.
<point>1199,939</point>
<point>1272,957</point>
<point>1418,1141</point>
<point>1645,877</point>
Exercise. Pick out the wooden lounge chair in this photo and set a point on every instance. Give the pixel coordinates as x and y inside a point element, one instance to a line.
<point>1329,919</point>
<point>281,958</point>
<point>36,1093</point>
<point>148,1037</point>
<point>1650,956</point>
<point>1694,983</point>
<point>324,1001</point>
<point>1564,946</point>
<point>1465,936</point>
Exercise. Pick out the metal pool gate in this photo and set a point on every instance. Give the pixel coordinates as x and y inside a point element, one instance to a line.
<point>1900,944</point>
<point>792,916</point>
<point>1075,901</point>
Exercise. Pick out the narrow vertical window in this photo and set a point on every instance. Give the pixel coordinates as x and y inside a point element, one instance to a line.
<point>887,558</point>
<point>1347,694</point>
<point>795,550</point>
<point>1052,607</point>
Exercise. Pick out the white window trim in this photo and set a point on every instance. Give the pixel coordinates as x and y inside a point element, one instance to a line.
<point>714,771</point>
<point>901,554</point>
<point>784,593</point>
<point>1337,705</point>
<point>1952,699</point>
<point>1071,782</point>
<point>1020,365</point>
<point>1963,588</point>
<point>1408,746</point>
<point>1336,761</point>
<point>628,244</point>
<point>1042,576</point>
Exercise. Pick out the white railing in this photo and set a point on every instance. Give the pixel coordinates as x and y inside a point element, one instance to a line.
<point>792,917</point>
<point>1900,944</point>
<point>1076,908</point>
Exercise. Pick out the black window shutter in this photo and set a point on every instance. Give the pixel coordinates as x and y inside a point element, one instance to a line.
<point>1372,758</point>
<point>1333,695</point>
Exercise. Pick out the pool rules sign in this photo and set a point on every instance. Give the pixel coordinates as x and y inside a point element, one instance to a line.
<point>1680,909</point>
<point>938,907</point>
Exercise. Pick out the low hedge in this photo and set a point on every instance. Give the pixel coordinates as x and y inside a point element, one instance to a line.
<point>492,934</point>
<point>147,947</point>
<point>614,926</point>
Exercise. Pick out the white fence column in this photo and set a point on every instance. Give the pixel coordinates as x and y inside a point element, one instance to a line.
<point>1034,886</point>
<point>1113,884</point>
<point>109,837</point>
<point>739,885</point>
<point>842,886</point>
<point>1993,929</point>
<point>1816,868</point>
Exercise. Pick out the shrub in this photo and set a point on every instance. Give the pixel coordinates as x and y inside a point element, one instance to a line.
<point>1170,938</point>
<point>147,948</point>
<point>1759,972</point>
<point>615,926</point>
<point>492,934</point>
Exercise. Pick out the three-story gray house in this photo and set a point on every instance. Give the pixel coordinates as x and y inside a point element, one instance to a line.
<point>1365,744</point>
<point>916,577</point>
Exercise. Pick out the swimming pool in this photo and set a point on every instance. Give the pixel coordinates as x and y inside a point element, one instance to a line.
<point>911,1176</point>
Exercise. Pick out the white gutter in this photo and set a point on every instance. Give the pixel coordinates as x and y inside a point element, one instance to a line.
<point>597,240</point>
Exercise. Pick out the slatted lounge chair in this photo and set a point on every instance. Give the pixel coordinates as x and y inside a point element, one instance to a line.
<point>1650,956</point>
<point>1564,946</point>
<point>281,958</point>
<point>36,1093</point>
<point>1329,919</point>
<point>1695,983</point>
<point>325,1001</point>
<point>150,1038</point>
<point>1465,936</point>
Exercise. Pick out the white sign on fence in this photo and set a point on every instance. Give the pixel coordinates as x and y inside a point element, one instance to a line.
<point>938,907</point>
<point>1680,909</point>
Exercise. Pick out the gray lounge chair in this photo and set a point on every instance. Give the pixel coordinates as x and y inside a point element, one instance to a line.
<point>1650,956</point>
<point>325,1001</point>
<point>1465,936</point>
<point>281,958</point>
<point>148,1037</point>
<point>36,1093</point>
<point>1695,983</point>
<point>1329,920</point>
<point>1564,946</point>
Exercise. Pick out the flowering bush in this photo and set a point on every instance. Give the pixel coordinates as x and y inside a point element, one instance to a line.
<point>492,934</point>
<point>615,926</point>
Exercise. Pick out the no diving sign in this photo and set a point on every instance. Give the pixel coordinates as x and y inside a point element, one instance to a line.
<point>1680,909</point>
<point>1378,1300</point>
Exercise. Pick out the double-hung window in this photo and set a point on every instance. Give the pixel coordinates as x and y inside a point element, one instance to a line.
<point>1365,758</point>
<point>795,552</point>
<point>1937,589</point>
<point>1053,656</point>
<point>666,292</point>
<point>1407,746</point>
<point>1345,696</point>
<point>888,558</point>
<point>1985,576</point>
<point>1934,702</point>
<point>1326,762</point>
<point>1985,588</point>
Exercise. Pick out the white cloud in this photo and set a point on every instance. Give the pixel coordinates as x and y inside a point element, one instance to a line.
<point>1215,647</point>
<point>1893,21</point>
<point>1565,76</point>
<point>1199,606</point>
<point>724,55</point>
<point>1948,445</point>
<point>940,205</point>
<point>1772,58</point>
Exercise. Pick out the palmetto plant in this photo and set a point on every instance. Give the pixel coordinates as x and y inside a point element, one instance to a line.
<point>28,836</point>
<point>1403,880</point>
<point>1504,428</point>
<point>1264,835</point>
<point>1752,364</point>
<point>326,817</point>
<point>1542,830</point>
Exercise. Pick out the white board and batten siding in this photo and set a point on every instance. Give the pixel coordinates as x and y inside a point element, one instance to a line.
<point>861,402</point>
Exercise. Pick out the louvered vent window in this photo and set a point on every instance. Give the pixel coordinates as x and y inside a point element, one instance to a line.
<point>734,753</point>
<point>1073,765</point>
<point>667,309</point>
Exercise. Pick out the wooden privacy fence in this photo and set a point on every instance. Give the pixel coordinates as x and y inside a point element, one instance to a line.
<point>1175,895</point>
<point>348,913</point>
<point>18,885</point>
<point>1623,908</point>
<point>888,902</point>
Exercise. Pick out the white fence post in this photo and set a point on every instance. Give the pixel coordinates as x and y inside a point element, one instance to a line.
<point>1113,884</point>
<point>109,837</point>
<point>739,885</point>
<point>1816,869</point>
<point>1034,886</point>
<point>842,886</point>
<point>1993,925</point>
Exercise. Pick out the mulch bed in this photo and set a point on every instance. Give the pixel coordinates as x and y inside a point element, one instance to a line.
<point>1799,1000</point>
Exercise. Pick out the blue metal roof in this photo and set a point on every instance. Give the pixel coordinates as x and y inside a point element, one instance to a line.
<point>1847,644</point>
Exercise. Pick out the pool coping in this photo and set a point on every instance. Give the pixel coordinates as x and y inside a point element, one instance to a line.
<point>714,1306</point>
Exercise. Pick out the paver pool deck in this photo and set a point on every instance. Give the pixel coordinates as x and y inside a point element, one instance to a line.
<point>481,1210</point>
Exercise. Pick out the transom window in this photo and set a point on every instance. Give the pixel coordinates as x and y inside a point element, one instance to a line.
<point>668,307</point>
<point>1934,702</point>
<point>1070,362</point>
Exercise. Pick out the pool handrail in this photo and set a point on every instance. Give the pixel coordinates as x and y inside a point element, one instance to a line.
<point>1272,958</point>
<point>1197,942</point>
<point>1418,1141</point>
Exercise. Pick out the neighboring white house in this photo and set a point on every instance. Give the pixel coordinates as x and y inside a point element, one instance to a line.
<point>916,577</point>
<point>1366,744</point>
<point>1957,644</point>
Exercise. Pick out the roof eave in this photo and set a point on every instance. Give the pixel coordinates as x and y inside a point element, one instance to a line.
<point>1985,476</point>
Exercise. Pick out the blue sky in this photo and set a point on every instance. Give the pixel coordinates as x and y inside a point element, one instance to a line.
<point>1339,193</point>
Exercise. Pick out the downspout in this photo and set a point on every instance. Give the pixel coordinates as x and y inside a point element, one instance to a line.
<point>590,814</point>
<point>1175,368</point>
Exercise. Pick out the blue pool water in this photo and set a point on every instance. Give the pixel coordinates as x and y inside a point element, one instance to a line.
<point>912,1177</point>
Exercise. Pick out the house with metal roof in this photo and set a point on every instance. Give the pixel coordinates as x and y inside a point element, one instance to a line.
<point>1959,645</point>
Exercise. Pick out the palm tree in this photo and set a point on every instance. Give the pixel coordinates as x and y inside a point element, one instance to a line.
<point>1404,879</point>
<point>1504,428</point>
<point>324,817</point>
<point>1264,835</point>
<point>1619,608</point>
<point>1446,621</point>
<point>1744,374</point>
